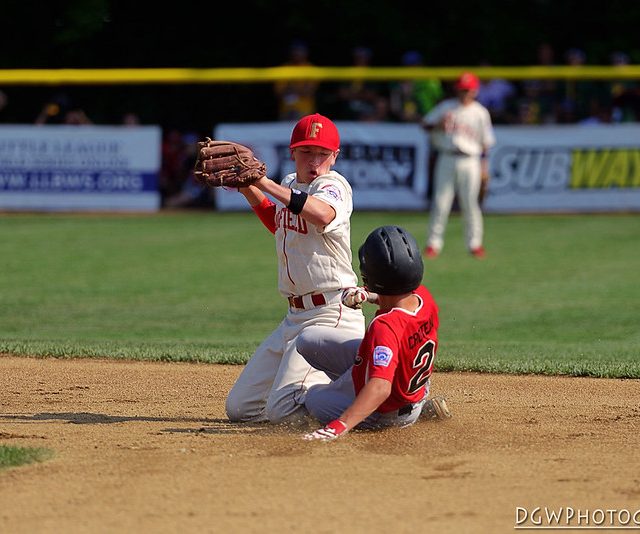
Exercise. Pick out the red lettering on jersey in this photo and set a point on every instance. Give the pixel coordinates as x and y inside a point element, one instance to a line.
<point>302,226</point>
<point>287,219</point>
<point>290,221</point>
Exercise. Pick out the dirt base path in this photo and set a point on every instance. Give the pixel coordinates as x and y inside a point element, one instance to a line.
<point>145,447</point>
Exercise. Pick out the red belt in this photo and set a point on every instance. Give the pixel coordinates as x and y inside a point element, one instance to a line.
<point>298,302</point>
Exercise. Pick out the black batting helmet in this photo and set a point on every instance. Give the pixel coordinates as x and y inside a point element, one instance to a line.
<point>390,261</point>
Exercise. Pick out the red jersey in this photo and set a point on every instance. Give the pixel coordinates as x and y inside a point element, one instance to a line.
<point>400,347</point>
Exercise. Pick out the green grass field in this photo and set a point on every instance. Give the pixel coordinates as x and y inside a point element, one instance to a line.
<point>556,294</point>
<point>15,456</point>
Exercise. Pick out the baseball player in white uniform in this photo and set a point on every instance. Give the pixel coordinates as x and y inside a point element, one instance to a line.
<point>309,214</point>
<point>462,133</point>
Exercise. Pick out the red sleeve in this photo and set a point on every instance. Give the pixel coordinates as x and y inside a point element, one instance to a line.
<point>383,359</point>
<point>266,212</point>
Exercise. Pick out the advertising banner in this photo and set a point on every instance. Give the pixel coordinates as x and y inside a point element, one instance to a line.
<point>590,168</point>
<point>384,163</point>
<point>79,168</point>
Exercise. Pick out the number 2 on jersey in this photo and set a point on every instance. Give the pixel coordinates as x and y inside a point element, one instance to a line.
<point>424,363</point>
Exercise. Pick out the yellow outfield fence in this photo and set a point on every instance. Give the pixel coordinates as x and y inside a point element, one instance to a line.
<point>272,74</point>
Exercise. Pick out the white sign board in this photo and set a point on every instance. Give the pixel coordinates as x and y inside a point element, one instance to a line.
<point>79,168</point>
<point>565,169</point>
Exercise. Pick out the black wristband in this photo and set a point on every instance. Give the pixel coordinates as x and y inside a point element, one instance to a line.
<point>298,199</point>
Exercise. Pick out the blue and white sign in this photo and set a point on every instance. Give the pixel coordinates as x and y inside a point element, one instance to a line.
<point>79,168</point>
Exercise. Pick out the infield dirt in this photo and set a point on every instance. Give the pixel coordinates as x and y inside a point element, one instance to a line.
<point>145,447</point>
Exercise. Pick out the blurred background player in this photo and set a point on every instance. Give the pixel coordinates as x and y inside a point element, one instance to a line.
<point>386,381</point>
<point>462,133</point>
<point>311,222</point>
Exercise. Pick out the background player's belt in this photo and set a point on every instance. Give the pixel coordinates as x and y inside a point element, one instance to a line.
<point>455,153</point>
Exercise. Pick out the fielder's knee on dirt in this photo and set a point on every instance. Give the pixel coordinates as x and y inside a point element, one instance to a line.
<point>240,411</point>
<point>284,409</point>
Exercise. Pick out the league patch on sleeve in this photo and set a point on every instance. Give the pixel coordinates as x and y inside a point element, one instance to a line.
<point>382,356</point>
<point>332,191</point>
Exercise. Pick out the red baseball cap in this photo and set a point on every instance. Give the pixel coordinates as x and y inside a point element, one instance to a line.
<point>467,81</point>
<point>315,130</point>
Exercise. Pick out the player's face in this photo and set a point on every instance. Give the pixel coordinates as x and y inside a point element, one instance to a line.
<point>467,95</point>
<point>313,161</point>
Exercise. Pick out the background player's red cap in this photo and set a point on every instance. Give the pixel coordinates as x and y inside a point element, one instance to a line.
<point>315,130</point>
<point>467,81</point>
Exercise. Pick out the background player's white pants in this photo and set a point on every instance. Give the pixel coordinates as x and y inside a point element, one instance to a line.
<point>327,402</point>
<point>273,384</point>
<point>453,174</point>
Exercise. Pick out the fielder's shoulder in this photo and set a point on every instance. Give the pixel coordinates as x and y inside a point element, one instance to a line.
<point>334,177</point>
<point>333,186</point>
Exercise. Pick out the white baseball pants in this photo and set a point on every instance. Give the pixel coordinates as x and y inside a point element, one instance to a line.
<point>274,383</point>
<point>461,174</point>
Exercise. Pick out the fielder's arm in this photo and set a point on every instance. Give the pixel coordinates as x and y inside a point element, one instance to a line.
<point>314,211</point>
<point>261,205</point>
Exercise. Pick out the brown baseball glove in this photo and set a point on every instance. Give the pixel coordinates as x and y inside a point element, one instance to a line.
<point>227,164</point>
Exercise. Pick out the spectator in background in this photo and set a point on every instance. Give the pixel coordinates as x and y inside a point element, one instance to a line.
<point>192,194</point>
<point>61,110</point>
<point>172,170</point>
<point>54,110</point>
<point>499,97</point>
<point>362,100</point>
<point>4,102</point>
<point>77,116</point>
<point>538,104</point>
<point>131,119</point>
<point>624,93</point>
<point>296,98</point>
<point>410,100</point>
<point>581,99</point>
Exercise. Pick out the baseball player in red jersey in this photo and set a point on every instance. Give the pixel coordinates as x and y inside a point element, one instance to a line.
<point>310,218</point>
<point>388,383</point>
<point>462,133</point>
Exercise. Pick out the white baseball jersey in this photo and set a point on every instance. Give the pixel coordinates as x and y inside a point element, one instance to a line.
<point>315,259</point>
<point>467,128</point>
